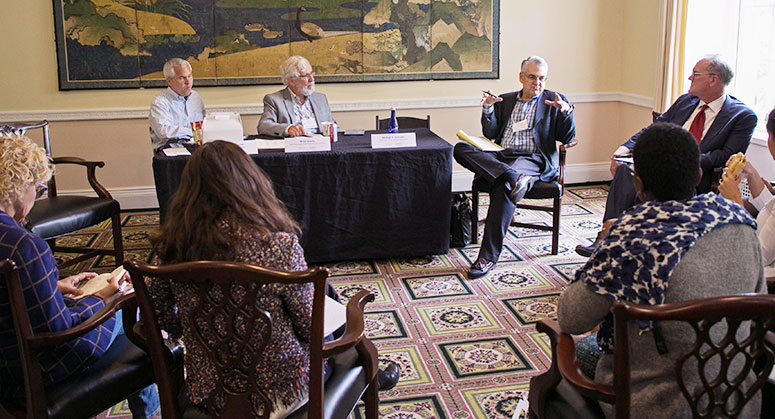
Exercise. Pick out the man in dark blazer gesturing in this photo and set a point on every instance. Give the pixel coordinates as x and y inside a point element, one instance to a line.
<point>527,123</point>
<point>721,124</point>
<point>297,109</point>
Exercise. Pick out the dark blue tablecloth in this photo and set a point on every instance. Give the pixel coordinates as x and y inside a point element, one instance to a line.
<point>354,202</point>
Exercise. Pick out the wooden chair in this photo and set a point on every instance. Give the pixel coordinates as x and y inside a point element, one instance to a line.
<point>56,215</point>
<point>404,122</point>
<point>121,371</point>
<point>541,190</point>
<point>564,380</point>
<point>354,374</point>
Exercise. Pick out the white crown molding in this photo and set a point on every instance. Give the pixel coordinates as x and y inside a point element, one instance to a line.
<point>342,106</point>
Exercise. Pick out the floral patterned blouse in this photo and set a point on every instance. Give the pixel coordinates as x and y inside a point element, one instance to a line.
<point>284,377</point>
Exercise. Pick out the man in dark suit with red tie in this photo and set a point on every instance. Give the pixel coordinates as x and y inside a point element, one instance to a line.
<point>721,124</point>
<point>528,124</point>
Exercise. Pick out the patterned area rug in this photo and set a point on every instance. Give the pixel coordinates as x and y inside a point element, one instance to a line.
<point>467,348</point>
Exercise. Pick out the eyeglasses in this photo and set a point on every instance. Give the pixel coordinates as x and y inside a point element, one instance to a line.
<point>695,74</point>
<point>304,76</point>
<point>40,189</point>
<point>533,77</point>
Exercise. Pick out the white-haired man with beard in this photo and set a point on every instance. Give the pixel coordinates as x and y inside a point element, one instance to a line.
<point>297,109</point>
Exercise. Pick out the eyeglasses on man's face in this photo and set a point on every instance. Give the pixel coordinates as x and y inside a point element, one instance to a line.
<point>40,189</point>
<point>305,75</point>
<point>533,77</point>
<point>696,74</point>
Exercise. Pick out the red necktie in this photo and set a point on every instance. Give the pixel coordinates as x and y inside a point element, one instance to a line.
<point>698,124</point>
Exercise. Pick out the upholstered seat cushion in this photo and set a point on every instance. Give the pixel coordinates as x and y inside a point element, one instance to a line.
<point>92,391</point>
<point>342,389</point>
<point>540,190</point>
<point>54,217</point>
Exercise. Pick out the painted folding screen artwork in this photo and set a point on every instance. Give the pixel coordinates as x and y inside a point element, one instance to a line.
<point>124,43</point>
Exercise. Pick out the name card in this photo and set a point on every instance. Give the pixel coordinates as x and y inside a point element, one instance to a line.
<point>304,144</point>
<point>396,140</point>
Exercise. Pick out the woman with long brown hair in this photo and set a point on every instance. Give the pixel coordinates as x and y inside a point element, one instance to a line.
<point>226,209</point>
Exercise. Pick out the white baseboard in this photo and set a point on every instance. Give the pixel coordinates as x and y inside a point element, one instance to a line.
<point>145,197</point>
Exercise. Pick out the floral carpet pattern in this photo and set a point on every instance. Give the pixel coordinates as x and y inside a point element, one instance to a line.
<point>467,348</point>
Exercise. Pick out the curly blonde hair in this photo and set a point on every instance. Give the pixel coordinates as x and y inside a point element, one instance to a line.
<point>21,163</point>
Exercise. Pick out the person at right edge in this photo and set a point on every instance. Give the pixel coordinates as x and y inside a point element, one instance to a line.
<point>721,125</point>
<point>527,123</point>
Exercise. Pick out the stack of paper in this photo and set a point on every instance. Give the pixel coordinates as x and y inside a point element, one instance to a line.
<point>479,142</point>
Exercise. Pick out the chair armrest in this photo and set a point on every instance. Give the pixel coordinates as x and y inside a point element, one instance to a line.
<point>55,338</point>
<point>568,366</point>
<point>353,332</point>
<point>91,173</point>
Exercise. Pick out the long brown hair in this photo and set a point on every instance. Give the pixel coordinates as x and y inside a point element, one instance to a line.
<point>220,183</point>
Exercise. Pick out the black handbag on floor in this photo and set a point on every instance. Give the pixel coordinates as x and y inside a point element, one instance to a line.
<point>460,228</point>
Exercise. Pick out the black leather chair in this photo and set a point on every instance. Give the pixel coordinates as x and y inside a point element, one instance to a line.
<point>404,122</point>
<point>354,375</point>
<point>121,371</point>
<point>540,190</point>
<point>56,215</point>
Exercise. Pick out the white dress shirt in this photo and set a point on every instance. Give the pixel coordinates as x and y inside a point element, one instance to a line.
<point>171,116</point>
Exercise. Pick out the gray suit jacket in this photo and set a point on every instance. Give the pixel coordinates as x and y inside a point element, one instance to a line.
<point>279,115</point>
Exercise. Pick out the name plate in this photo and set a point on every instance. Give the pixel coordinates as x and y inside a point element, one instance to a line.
<point>304,144</point>
<point>396,140</point>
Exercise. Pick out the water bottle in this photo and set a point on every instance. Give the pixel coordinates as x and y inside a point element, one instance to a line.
<point>393,124</point>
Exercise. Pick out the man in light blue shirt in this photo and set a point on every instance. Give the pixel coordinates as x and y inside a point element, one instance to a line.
<point>173,110</point>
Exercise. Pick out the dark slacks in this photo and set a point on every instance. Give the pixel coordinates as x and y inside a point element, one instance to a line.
<point>491,165</point>
<point>621,194</point>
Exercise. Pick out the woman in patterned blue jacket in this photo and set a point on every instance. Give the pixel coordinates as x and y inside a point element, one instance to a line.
<point>24,170</point>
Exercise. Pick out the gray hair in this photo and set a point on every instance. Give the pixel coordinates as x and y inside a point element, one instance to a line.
<point>718,67</point>
<point>290,67</point>
<point>169,66</point>
<point>536,61</point>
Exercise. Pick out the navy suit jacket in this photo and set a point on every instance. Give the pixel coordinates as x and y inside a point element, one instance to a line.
<point>550,125</point>
<point>730,132</point>
<point>279,114</point>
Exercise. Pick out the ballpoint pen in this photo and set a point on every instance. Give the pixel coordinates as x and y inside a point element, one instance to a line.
<point>484,91</point>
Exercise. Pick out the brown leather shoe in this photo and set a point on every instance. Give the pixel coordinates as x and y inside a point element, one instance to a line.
<point>480,268</point>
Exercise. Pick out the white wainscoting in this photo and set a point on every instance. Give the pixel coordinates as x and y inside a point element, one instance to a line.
<point>145,197</point>
<point>342,106</point>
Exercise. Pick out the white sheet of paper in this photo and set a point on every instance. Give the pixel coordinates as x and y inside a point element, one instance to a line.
<point>178,151</point>
<point>334,317</point>
<point>521,125</point>
<point>522,407</point>
<point>302,144</point>
<point>396,140</point>
<point>277,144</point>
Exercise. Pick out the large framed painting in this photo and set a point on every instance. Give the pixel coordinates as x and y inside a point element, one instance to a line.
<point>124,43</point>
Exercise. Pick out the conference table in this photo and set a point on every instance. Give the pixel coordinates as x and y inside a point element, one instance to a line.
<point>353,202</point>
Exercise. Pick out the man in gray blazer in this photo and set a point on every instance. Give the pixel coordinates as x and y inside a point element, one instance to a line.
<point>297,109</point>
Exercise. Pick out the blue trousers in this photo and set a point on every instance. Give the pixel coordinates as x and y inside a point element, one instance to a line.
<point>145,403</point>
<point>492,165</point>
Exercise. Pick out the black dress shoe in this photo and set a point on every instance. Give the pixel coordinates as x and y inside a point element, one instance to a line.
<point>519,188</point>
<point>388,378</point>
<point>587,251</point>
<point>480,268</point>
